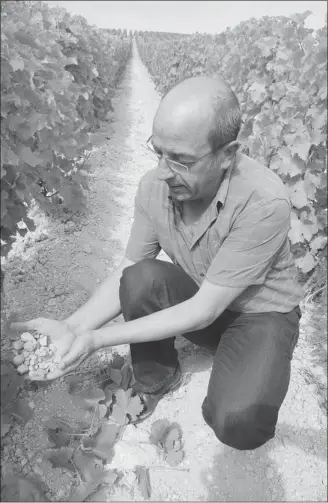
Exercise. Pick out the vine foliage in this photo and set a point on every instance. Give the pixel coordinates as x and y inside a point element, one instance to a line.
<point>278,70</point>
<point>58,75</point>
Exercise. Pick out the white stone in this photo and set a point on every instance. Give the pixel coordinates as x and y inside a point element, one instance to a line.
<point>18,345</point>
<point>22,369</point>
<point>44,341</point>
<point>27,337</point>
<point>29,346</point>
<point>18,360</point>
<point>87,248</point>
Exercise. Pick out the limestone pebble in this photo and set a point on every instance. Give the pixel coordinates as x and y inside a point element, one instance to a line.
<point>35,355</point>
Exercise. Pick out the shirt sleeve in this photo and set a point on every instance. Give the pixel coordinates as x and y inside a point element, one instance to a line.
<point>143,241</point>
<point>246,255</point>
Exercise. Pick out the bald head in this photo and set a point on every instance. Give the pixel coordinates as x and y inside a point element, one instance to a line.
<point>203,106</point>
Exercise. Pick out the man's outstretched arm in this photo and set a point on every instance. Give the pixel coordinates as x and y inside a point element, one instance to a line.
<point>193,314</point>
<point>104,304</point>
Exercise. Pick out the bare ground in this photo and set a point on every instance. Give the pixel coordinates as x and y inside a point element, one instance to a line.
<point>53,276</point>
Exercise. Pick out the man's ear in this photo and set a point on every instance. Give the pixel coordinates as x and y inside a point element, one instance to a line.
<point>228,153</point>
<point>231,149</point>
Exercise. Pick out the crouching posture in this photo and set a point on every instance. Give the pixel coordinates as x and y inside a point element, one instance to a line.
<point>223,220</point>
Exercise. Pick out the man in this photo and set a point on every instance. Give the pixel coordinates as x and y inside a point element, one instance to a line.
<point>223,219</point>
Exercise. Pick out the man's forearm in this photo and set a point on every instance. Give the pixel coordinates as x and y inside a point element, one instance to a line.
<point>103,306</point>
<point>176,320</point>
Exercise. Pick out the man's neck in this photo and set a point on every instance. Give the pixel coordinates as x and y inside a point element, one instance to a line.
<point>196,207</point>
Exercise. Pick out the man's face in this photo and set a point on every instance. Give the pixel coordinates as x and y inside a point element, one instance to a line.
<point>180,132</point>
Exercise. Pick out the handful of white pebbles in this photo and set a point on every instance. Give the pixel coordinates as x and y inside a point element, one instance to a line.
<point>35,355</point>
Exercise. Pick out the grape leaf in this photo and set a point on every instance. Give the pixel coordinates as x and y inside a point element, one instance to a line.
<point>288,165</point>
<point>20,409</point>
<point>142,474</point>
<point>83,491</point>
<point>90,467</point>
<point>58,433</point>
<point>297,193</point>
<point>108,396</point>
<point>301,149</point>
<point>6,424</point>
<point>306,263</point>
<point>121,377</point>
<point>117,361</point>
<point>296,229</point>
<point>10,382</point>
<point>158,431</point>
<point>16,488</point>
<point>127,377</point>
<point>116,376</point>
<point>173,458</point>
<point>101,410</point>
<point>103,440</point>
<point>318,243</point>
<point>88,399</point>
<point>126,407</point>
<point>173,438</point>
<point>73,381</point>
<point>61,458</point>
<point>29,157</point>
<point>258,92</point>
<point>168,437</point>
<point>311,182</point>
<point>17,63</point>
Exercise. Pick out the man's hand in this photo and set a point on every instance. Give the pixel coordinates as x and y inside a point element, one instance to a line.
<point>81,348</point>
<point>63,337</point>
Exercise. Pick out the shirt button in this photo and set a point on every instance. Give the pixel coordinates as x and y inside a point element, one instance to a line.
<point>202,275</point>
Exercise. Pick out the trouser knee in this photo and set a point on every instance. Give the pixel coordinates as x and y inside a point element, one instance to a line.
<point>242,428</point>
<point>136,286</point>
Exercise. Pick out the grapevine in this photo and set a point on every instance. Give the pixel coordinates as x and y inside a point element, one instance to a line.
<point>278,69</point>
<point>58,76</point>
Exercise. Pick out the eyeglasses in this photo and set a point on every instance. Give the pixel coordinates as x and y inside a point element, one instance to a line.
<point>175,166</point>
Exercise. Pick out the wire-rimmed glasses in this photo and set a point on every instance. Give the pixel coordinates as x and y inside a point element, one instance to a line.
<point>175,166</point>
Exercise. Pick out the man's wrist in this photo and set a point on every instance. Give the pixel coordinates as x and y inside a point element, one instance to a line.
<point>96,343</point>
<point>74,325</point>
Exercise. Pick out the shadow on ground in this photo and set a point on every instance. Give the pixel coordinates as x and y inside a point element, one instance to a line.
<point>194,358</point>
<point>317,339</point>
<point>253,475</point>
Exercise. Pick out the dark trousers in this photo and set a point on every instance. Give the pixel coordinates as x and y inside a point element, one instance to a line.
<point>251,369</point>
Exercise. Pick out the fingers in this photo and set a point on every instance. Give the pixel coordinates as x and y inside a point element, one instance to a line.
<point>60,373</point>
<point>49,377</point>
<point>61,352</point>
<point>74,356</point>
<point>21,326</point>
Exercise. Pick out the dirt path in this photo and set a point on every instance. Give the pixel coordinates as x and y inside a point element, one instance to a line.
<point>53,276</point>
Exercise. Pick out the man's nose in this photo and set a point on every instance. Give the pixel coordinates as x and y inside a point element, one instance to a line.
<point>163,171</point>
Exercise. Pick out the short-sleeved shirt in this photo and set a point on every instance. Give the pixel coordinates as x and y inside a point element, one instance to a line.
<point>241,239</point>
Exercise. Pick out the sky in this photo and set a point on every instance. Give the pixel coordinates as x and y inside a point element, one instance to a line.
<point>187,16</point>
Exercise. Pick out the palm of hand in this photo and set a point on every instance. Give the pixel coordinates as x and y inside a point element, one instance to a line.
<point>58,332</point>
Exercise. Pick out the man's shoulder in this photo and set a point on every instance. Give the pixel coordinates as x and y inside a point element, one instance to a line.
<point>254,180</point>
<point>150,187</point>
<point>149,180</point>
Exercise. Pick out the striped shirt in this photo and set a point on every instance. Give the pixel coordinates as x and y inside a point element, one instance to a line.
<point>241,239</point>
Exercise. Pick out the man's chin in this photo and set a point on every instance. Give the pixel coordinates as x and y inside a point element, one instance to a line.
<point>179,192</point>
